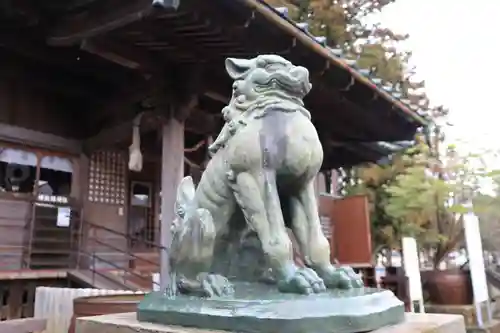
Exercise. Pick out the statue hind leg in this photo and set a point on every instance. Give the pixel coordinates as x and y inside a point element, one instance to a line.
<point>313,243</point>
<point>257,195</point>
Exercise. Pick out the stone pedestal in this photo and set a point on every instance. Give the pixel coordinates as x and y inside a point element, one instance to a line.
<point>128,323</point>
<point>468,312</point>
<point>259,308</point>
<point>491,327</point>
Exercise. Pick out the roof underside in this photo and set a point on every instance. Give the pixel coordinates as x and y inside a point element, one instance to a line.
<point>346,107</point>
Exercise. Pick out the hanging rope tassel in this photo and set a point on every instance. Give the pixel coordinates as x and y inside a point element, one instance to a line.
<point>135,155</point>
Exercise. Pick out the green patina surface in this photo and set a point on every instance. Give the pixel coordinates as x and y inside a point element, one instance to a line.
<point>260,308</point>
<point>259,181</point>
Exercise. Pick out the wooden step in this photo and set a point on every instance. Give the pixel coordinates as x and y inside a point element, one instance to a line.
<point>146,262</point>
<point>142,279</point>
<point>49,264</point>
<point>95,280</point>
<point>52,240</point>
<point>37,250</point>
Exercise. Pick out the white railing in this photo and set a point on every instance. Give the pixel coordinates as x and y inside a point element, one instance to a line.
<point>56,305</point>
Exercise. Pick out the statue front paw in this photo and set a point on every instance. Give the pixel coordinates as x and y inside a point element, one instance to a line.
<point>303,281</point>
<point>215,285</point>
<point>340,278</point>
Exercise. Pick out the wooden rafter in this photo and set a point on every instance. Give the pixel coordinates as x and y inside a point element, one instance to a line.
<point>26,9</point>
<point>102,17</point>
<point>115,108</point>
<point>68,60</point>
<point>44,78</point>
<point>123,55</point>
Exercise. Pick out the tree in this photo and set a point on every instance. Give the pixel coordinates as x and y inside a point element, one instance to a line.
<point>374,47</point>
<point>430,199</point>
<point>372,180</point>
<point>403,182</point>
<point>423,192</point>
<point>489,216</point>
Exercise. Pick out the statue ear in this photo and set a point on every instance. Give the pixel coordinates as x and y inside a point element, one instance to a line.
<point>237,68</point>
<point>185,194</point>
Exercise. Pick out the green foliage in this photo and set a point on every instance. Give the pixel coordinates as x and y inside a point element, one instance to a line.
<point>423,191</point>
<point>342,22</point>
<point>488,210</point>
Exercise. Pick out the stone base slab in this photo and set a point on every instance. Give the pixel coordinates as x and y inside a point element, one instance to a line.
<point>128,323</point>
<point>467,311</point>
<point>259,308</point>
<point>491,327</point>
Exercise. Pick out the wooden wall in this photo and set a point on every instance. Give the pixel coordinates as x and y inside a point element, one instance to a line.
<point>27,105</point>
<point>39,117</point>
<point>34,108</point>
<point>352,233</point>
<point>13,217</point>
<point>111,216</point>
<point>17,294</point>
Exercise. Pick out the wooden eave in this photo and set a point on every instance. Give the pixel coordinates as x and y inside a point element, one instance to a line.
<point>154,42</point>
<point>133,33</point>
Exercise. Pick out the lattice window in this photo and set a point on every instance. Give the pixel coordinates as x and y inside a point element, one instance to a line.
<point>107,178</point>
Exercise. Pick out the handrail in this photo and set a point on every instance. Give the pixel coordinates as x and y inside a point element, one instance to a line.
<point>88,241</point>
<point>121,250</point>
<point>94,240</point>
<point>152,244</point>
<point>112,264</point>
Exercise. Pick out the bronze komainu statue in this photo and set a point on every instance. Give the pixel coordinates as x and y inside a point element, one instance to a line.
<point>261,175</point>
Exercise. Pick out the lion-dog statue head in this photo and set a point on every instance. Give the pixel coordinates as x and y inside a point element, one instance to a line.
<point>264,78</point>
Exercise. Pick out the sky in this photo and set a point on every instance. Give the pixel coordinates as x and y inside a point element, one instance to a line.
<point>455,50</point>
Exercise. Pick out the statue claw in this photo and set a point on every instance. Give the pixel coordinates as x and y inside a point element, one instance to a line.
<point>340,278</point>
<point>303,281</point>
<point>215,285</point>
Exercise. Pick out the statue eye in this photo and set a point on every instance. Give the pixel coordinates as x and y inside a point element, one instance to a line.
<point>273,67</point>
<point>261,62</point>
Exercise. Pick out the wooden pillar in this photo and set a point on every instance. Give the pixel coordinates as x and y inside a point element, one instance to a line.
<point>171,174</point>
